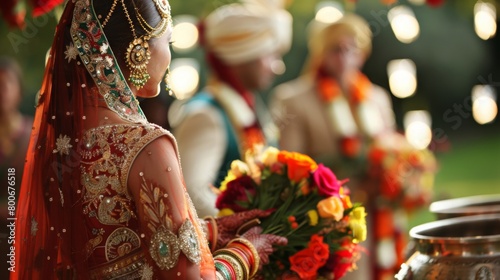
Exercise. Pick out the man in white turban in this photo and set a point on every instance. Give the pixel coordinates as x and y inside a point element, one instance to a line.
<point>243,42</point>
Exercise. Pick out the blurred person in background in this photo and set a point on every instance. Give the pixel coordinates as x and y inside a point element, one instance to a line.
<point>243,44</point>
<point>333,110</point>
<point>15,129</point>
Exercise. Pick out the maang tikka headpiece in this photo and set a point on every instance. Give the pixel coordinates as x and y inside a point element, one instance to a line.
<point>138,55</point>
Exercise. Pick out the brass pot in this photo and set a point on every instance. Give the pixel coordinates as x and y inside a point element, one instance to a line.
<point>466,206</point>
<point>463,248</point>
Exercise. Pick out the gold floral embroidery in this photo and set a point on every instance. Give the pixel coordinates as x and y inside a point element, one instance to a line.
<point>92,243</point>
<point>108,213</point>
<point>121,242</point>
<point>102,170</point>
<point>147,272</point>
<point>63,145</point>
<point>71,52</point>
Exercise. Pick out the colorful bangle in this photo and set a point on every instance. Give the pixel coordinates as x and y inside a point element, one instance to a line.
<point>236,261</point>
<point>220,267</point>
<point>228,267</point>
<point>253,251</point>
<point>240,275</point>
<point>212,225</point>
<point>245,253</point>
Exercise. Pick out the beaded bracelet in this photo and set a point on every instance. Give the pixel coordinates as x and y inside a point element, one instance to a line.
<point>253,252</point>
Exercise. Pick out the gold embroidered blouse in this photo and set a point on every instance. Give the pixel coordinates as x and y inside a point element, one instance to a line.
<point>110,212</point>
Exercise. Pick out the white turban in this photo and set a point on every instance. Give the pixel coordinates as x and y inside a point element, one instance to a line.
<point>323,35</point>
<point>242,32</point>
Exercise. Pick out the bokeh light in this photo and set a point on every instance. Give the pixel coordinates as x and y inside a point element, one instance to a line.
<point>484,106</point>
<point>185,33</point>
<point>485,20</point>
<point>404,24</point>
<point>184,77</point>
<point>402,77</point>
<point>418,128</point>
<point>329,11</point>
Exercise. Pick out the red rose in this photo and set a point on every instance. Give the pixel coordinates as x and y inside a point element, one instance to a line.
<point>340,263</point>
<point>343,260</point>
<point>320,249</point>
<point>327,182</point>
<point>236,194</point>
<point>304,264</point>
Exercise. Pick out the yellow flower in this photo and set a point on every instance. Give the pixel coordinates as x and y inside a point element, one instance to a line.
<point>358,213</point>
<point>357,223</point>
<point>225,212</point>
<point>239,168</point>
<point>331,208</point>
<point>358,231</point>
<point>313,217</point>
<point>269,156</point>
<point>229,177</point>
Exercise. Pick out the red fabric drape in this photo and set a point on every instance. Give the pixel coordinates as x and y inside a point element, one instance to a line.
<point>45,236</point>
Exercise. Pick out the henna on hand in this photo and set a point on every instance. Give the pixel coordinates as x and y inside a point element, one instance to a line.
<point>263,243</point>
<point>228,226</point>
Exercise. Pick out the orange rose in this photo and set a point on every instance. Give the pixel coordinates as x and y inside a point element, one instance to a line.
<point>299,165</point>
<point>331,207</point>
<point>304,264</point>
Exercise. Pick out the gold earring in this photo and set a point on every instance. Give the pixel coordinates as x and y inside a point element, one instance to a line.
<point>138,54</point>
<point>168,88</point>
<point>137,57</point>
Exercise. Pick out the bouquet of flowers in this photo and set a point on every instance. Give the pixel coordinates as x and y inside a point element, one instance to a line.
<point>405,175</point>
<point>311,208</point>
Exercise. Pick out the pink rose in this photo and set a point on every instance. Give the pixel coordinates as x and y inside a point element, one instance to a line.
<point>327,182</point>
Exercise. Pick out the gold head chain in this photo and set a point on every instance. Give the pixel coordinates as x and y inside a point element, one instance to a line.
<point>138,55</point>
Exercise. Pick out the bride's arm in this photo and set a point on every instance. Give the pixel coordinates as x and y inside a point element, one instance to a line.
<point>156,185</point>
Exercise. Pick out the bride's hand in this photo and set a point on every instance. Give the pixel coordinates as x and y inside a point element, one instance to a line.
<point>263,243</point>
<point>228,226</point>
